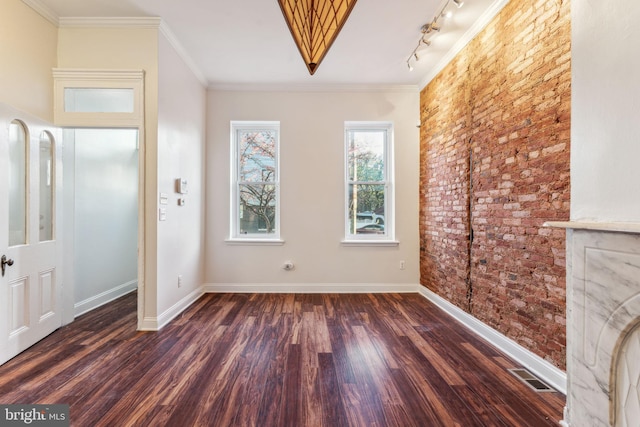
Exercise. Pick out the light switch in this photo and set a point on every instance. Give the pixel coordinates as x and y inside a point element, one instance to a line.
<point>164,199</point>
<point>162,214</point>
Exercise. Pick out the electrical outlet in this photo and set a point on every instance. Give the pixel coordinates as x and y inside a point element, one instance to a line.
<point>402,265</point>
<point>179,280</point>
<point>288,266</point>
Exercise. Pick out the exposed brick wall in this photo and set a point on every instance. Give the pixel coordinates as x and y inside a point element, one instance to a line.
<point>501,109</point>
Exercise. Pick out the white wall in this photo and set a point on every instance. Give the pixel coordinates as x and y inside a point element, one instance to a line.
<point>605,120</point>
<point>28,51</point>
<point>181,145</point>
<point>312,190</point>
<point>106,215</point>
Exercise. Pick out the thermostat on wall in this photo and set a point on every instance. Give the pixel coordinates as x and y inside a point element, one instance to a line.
<point>181,186</point>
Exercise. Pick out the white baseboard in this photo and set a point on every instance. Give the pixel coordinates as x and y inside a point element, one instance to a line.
<point>96,301</point>
<point>563,421</point>
<point>156,323</point>
<point>547,372</point>
<point>310,288</point>
<point>149,324</point>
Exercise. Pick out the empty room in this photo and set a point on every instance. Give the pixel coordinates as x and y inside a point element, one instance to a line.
<point>319,213</point>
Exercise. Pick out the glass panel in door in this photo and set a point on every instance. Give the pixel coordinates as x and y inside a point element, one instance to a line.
<point>46,185</point>
<point>17,184</point>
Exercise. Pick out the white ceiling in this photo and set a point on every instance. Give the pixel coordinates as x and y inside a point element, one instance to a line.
<point>240,42</point>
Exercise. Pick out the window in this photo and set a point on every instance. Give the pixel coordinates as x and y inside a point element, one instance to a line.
<point>369,181</point>
<point>255,198</point>
<point>95,98</point>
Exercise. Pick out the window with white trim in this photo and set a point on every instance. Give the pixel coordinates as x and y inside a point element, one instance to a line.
<point>255,187</point>
<point>369,181</point>
<point>94,98</point>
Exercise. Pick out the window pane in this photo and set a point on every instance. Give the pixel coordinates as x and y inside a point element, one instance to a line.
<point>255,204</point>
<point>93,100</point>
<point>366,209</point>
<point>257,156</point>
<point>46,187</point>
<point>366,155</point>
<point>257,209</point>
<point>17,184</point>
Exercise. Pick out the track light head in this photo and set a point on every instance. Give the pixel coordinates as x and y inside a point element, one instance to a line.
<point>430,27</point>
<point>458,3</point>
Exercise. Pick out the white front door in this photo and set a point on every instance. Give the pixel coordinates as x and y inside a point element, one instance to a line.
<point>30,290</point>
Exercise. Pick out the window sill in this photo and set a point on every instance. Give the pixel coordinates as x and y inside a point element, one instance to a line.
<point>254,242</point>
<point>389,243</point>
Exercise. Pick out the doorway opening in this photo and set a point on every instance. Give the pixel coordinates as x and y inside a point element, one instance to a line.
<point>102,205</point>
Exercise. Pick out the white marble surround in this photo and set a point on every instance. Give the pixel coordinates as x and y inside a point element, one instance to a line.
<point>603,315</point>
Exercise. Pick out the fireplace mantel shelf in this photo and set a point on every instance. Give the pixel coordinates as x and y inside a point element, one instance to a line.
<point>619,227</point>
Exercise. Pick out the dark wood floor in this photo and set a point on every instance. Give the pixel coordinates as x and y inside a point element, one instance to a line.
<point>277,360</point>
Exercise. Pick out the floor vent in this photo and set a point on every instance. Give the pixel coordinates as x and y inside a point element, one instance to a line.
<point>531,380</point>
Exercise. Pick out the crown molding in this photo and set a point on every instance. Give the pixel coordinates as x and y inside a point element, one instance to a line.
<point>43,11</point>
<point>182,53</point>
<point>110,22</point>
<point>317,87</point>
<point>471,33</point>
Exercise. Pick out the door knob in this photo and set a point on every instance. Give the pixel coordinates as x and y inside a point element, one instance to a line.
<point>4,262</point>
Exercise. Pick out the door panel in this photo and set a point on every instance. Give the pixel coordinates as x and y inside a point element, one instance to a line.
<point>30,290</point>
<point>18,308</point>
<point>47,294</point>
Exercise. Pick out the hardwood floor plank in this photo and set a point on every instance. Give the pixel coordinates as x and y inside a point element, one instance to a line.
<point>341,357</point>
<point>290,402</point>
<point>417,411</point>
<point>334,413</point>
<point>431,385</point>
<point>480,408</point>
<point>278,360</point>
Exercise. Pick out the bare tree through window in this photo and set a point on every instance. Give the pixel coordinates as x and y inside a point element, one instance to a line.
<point>257,180</point>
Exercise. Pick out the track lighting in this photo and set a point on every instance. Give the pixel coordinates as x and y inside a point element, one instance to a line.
<point>430,27</point>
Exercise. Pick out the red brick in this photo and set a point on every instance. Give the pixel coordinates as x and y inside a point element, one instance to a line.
<point>506,99</point>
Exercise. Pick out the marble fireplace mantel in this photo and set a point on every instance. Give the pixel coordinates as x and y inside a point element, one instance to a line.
<point>603,323</point>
